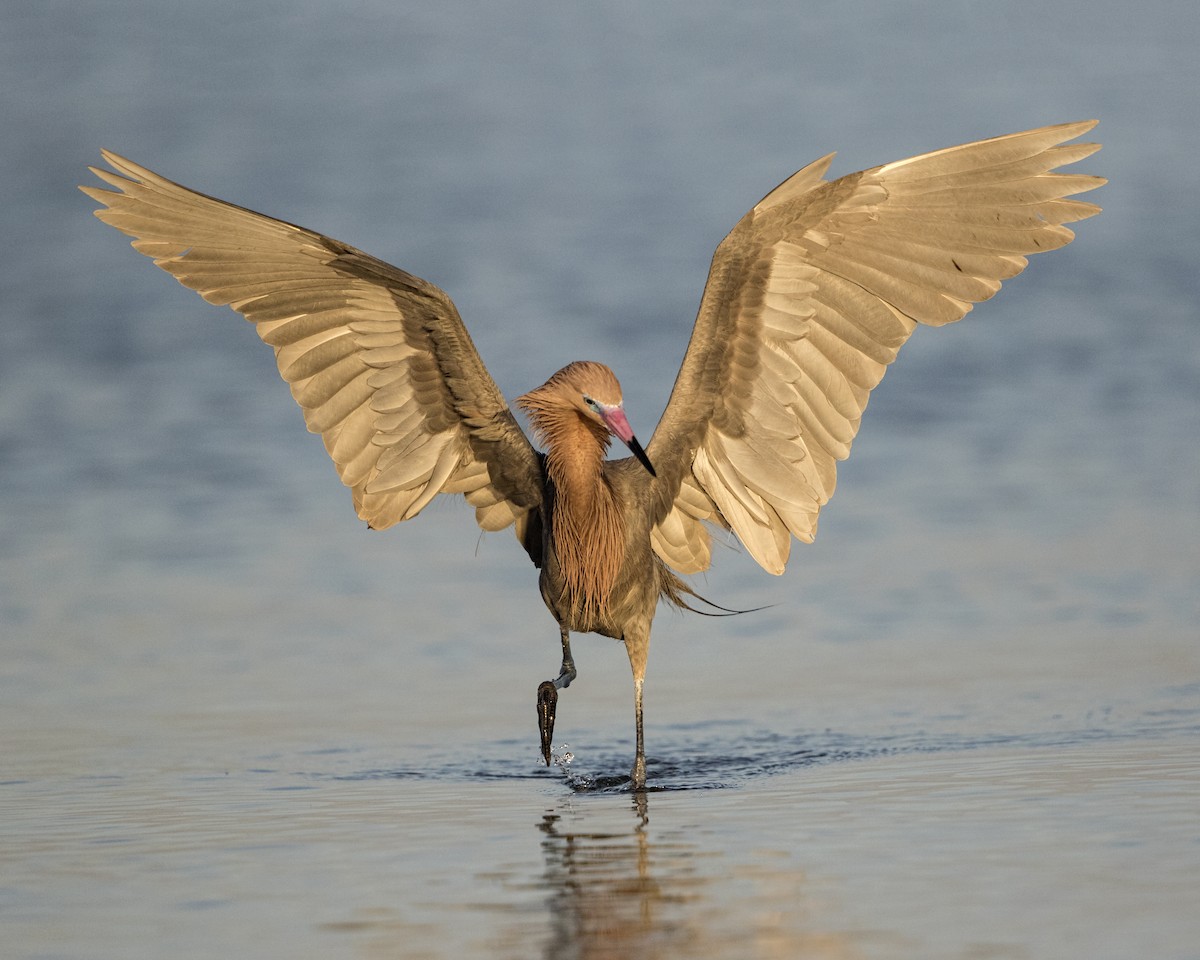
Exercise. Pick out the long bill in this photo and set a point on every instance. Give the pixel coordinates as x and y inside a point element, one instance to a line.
<point>618,424</point>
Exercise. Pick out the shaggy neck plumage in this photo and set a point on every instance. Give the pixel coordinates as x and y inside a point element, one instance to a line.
<point>588,530</point>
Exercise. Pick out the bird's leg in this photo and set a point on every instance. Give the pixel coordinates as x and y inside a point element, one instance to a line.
<point>637,645</point>
<point>547,695</point>
<point>566,672</point>
<point>638,774</point>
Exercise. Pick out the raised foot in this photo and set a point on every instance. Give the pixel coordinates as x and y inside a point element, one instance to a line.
<point>547,702</point>
<point>566,674</point>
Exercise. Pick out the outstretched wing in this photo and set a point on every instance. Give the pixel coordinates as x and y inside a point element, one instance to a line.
<point>808,300</point>
<point>378,360</point>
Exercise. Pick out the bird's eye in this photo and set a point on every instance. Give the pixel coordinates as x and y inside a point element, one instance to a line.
<point>591,403</point>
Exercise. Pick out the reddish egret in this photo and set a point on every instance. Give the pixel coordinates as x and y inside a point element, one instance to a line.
<point>808,300</point>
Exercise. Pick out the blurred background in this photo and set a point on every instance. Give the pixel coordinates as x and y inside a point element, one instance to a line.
<point>564,173</point>
<point>1013,546</point>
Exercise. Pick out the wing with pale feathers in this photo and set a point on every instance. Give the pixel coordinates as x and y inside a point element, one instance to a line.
<point>808,300</point>
<point>378,360</point>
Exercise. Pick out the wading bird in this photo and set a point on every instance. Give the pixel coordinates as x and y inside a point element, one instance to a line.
<point>808,300</point>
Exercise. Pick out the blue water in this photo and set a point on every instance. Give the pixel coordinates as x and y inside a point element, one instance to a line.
<point>237,723</point>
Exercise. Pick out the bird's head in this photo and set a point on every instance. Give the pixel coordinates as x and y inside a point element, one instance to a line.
<point>593,392</point>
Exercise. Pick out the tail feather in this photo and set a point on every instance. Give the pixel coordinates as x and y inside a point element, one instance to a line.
<point>675,591</point>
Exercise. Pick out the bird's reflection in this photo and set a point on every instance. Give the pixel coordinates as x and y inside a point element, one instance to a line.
<point>617,888</point>
<point>611,892</point>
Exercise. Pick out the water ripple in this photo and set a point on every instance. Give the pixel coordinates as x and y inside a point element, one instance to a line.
<point>727,755</point>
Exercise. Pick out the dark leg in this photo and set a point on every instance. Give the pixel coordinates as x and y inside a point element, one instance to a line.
<point>547,695</point>
<point>566,672</point>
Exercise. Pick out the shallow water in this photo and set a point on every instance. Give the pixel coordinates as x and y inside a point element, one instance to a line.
<point>168,796</point>
<point>235,723</point>
<point>750,843</point>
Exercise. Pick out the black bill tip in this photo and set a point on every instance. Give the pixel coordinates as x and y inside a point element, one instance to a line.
<point>640,454</point>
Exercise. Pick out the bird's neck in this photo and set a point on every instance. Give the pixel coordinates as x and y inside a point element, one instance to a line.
<point>588,529</point>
